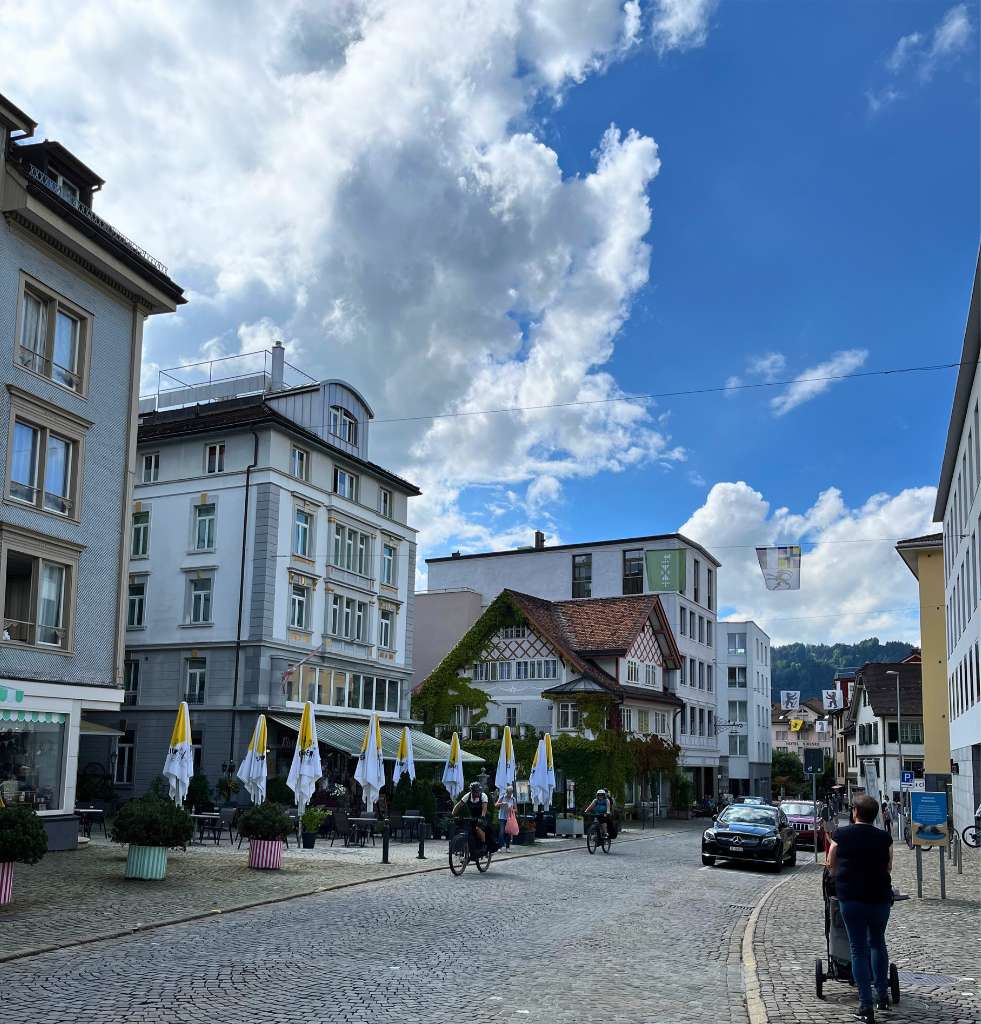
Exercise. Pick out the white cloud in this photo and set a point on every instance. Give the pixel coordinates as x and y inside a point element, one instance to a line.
<point>882,98</point>
<point>903,52</point>
<point>365,179</point>
<point>853,584</point>
<point>951,37</point>
<point>767,366</point>
<point>817,379</point>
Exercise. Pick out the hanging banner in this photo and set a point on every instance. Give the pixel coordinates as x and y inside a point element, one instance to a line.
<point>832,699</point>
<point>781,567</point>
<point>796,724</point>
<point>790,700</point>
<point>821,726</point>
<point>871,774</point>
<point>666,570</point>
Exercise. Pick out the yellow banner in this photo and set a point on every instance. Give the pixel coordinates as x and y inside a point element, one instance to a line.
<point>796,724</point>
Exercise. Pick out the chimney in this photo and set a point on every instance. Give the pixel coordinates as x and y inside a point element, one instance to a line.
<point>539,540</point>
<point>455,554</point>
<point>278,364</point>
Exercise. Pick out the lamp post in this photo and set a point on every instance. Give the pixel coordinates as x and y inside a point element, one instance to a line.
<point>899,743</point>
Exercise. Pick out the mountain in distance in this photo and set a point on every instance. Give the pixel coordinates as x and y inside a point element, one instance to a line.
<point>811,667</point>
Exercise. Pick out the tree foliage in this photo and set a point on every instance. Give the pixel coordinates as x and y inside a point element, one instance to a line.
<point>811,667</point>
<point>22,835</point>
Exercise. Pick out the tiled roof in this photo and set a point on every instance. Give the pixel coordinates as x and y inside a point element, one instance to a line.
<point>881,688</point>
<point>929,538</point>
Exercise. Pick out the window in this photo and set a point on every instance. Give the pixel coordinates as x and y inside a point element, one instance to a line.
<point>299,463</point>
<point>204,527</point>
<point>681,673</point>
<point>582,575</point>
<point>386,622</point>
<point>627,719</point>
<point>131,677</point>
<point>692,672</point>
<point>683,615</point>
<point>388,564</point>
<point>692,720</point>
<point>738,710</point>
<point>684,721</point>
<point>140,542</point>
<point>136,603</point>
<point>43,460</point>
<point>200,591</point>
<point>37,588</point>
<point>491,671</point>
<point>696,580</point>
<point>511,717</point>
<point>650,675</point>
<point>52,337</point>
<point>125,747</point>
<point>737,643</point>
<point>701,629</point>
<point>737,745</point>
<point>348,618</point>
<point>701,721</point>
<point>302,530</point>
<point>343,425</point>
<point>710,588</point>
<point>299,606</point>
<point>708,678</point>
<point>514,632</point>
<point>196,677</point>
<point>708,632</point>
<point>151,467</point>
<point>541,668</point>
<point>386,506</point>
<point>643,722</point>
<point>633,571</point>
<point>569,716</point>
<point>737,676</point>
<point>633,672</point>
<point>345,484</point>
<point>912,732</point>
<point>351,550</point>
<point>701,675</point>
<point>214,457</point>
<point>691,625</point>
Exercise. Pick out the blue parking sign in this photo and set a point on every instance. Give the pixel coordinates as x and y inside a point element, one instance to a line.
<point>907,778</point>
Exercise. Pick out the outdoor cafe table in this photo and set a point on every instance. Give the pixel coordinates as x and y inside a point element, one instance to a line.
<point>86,815</point>
<point>364,826</point>
<point>413,821</point>
<point>203,818</point>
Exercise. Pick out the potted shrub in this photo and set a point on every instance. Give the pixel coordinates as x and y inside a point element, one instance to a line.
<point>150,826</point>
<point>198,792</point>
<point>266,828</point>
<point>310,823</point>
<point>22,838</point>
<point>228,787</point>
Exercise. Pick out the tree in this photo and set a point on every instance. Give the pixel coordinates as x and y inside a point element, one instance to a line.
<point>788,771</point>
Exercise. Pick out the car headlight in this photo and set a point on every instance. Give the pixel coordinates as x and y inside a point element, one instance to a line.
<point>708,835</point>
<point>770,841</point>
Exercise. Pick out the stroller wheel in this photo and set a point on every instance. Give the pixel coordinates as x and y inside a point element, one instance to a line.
<point>894,984</point>
<point>819,978</point>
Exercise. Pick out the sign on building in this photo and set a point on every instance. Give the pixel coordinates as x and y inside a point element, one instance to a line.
<point>781,567</point>
<point>832,699</point>
<point>821,725</point>
<point>928,817</point>
<point>666,570</point>
<point>790,700</point>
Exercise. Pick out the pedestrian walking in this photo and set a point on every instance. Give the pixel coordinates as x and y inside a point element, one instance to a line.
<point>860,861</point>
<point>507,810</point>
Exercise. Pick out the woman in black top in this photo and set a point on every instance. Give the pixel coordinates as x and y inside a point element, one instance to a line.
<point>860,860</point>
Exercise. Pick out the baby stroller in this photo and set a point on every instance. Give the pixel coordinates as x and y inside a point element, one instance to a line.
<point>839,952</point>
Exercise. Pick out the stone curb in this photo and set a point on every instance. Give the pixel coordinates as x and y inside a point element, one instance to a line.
<point>186,918</point>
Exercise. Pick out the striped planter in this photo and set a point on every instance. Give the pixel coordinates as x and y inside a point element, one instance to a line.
<point>146,862</point>
<point>6,882</point>
<point>266,854</point>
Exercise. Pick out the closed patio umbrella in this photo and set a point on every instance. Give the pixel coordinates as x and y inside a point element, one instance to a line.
<point>453,771</point>
<point>370,773</point>
<point>542,780</point>
<point>179,765</point>
<point>252,770</point>
<point>507,769</point>
<point>306,767</point>
<point>404,763</point>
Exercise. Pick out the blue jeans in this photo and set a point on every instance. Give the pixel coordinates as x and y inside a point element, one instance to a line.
<point>866,927</point>
<point>503,839</point>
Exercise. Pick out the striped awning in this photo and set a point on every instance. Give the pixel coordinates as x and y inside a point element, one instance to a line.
<point>347,734</point>
<point>17,715</point>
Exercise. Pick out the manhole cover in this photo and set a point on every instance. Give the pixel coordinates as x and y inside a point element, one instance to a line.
<point>919,979</point>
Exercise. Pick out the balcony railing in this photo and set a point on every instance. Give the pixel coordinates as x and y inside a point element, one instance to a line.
<point>45,367</point>
<point>33,634</point>
<point>51,185</point>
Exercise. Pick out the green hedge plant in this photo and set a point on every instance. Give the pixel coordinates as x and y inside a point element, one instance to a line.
<point>265,821</point>
<point>22,836</point>
<point>312,819</point>
<point>152,821</point>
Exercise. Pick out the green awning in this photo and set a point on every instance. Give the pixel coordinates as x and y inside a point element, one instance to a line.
<point>10,715</point>
<point>347,734</point>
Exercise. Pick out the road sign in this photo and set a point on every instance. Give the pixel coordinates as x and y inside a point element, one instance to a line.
<point>928,818</point>
<point>907,778</point>
<point>814,761</point>
<point>913,785</point>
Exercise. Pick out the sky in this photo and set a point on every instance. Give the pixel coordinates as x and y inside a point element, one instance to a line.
<point>463,207</point>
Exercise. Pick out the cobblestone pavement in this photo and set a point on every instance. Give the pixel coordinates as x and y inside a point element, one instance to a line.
<point>645,934</point>
<point>936,946</point>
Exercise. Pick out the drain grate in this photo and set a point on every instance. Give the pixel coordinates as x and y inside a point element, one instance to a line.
<point>919,979</point>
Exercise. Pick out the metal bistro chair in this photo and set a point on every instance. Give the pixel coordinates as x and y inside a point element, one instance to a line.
<point>224,823</point>
<point>341,828</point>
<point>395,823</point>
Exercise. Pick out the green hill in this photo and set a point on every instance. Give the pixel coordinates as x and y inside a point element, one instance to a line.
<point>811,667</point>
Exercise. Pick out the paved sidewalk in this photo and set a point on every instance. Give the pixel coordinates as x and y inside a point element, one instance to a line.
<point>935,944</point>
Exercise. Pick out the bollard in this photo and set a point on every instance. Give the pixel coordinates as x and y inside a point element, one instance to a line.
<point>385,832</point>
<point>421,855</point>
<point>943,877</point>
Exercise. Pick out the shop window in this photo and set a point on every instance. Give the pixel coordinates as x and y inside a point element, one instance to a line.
<point>32,746</point>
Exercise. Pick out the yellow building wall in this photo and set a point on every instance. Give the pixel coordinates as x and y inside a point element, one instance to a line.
<point>933,643</point>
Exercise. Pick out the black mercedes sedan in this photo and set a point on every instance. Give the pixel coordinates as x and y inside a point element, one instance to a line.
<point>750,832</point>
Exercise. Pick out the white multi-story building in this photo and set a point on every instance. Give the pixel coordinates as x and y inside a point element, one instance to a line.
<point>959,509</point>
<point>610,568</point>
<point>744,706</point>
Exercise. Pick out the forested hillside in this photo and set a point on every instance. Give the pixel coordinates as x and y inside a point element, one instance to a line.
<point>810,667</point>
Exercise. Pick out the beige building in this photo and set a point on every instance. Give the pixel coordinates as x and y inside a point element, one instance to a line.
<point>810,736</point>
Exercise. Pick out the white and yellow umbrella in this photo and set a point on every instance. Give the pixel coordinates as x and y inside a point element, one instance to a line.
<point>549,768</point>
<point>179,765</point>
<point>306,767</point>
<point>404,761</point>
<point>542,779</point>
<point>252,771</point>
<point>453,771</point>
<point>507,768</point>
<point>370,773</point>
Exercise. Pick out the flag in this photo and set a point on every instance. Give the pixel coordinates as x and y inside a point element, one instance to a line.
<point>453,770</point>
<point>781,567</point>
<point>796,724</point>
<point>542,780</point>
<point>404,762</point>
<point>790,700</point>
<point>306,767</point>
<point>832,699</point>
<point>179,765</point>
<point>252,771</point>
<point>821,726</point>
<point>370,773</point>
<point>507,769</point>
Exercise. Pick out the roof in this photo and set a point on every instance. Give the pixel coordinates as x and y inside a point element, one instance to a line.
<point>241,414</point>
<point>881,689</point>
<point>910,548</point>
<point>65,158</point>
<point>14,118</point>
<point>962,396</point>
<point>583,544</point>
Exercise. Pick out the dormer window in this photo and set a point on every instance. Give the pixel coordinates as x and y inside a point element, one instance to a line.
<point>67,188</point>
<point>343,425</point>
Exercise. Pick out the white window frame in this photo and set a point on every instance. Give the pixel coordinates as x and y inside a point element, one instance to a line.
<point>627,720</point>
<point>569,717</point>
<point>303,530</point>
<point>122,772</point>
<point>38,357</point>
<point>196,672</point>
<point>633,671</point>
<point>388,564</point>
<point>217,449</point>
<point>386,629</point>
<point>345,484</point>
<point>150,472</point>
<point>386,503</point>
<point>299,462</point>
<point>300,606</point>
<point>131,680</point>
<point>195,607</point>
<point>136,601</point>
<point>140,531</point>
<point>200,517</point>
<point>344,425</point>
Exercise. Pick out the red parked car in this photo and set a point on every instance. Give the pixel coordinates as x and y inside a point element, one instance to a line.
<point>800,813</point>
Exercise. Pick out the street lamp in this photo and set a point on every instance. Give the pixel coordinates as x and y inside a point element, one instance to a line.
<point>899,743</point>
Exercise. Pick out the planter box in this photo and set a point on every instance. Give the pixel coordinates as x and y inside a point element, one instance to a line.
<point>309,840</point>
<point>569,827</point>
<point>266,854</point>
<point>6,882</point>
<point>146,862</point>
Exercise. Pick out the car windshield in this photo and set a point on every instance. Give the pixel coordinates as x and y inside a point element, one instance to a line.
<point>798,810</point>
<point>749,814</point>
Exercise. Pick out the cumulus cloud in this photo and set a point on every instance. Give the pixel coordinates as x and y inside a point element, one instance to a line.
<point>817,379</point>
<point>366,180</point>
<point>853,584</point>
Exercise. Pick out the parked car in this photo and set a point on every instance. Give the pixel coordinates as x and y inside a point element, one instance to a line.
<point>800,814</point>
<point>761,801</point>
<point>750,832</point>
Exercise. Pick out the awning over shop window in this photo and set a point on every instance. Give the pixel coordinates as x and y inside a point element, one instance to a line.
<point>346,734</point>
<point>87,728</point>
<point>15,715</point>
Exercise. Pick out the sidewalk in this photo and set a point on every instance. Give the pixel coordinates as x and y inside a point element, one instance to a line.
<point>935,944</point>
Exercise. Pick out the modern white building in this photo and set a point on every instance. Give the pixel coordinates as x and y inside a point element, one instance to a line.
<point>609,568</point>
<point>744,720</point>
<point>959,509</point>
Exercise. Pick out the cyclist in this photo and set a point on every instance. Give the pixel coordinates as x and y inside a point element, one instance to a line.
<point>475,805</point>
<point>602,807</point>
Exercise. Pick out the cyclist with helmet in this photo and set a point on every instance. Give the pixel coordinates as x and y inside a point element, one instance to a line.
<point>602,807</point>
<point>474,805</point>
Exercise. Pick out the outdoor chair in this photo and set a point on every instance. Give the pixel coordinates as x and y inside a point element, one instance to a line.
<point>341,828</point>
<point>395,823</point>
<point>225,824</point>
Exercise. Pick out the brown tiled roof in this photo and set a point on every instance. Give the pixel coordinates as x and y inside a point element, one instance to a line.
<point>881,688</point>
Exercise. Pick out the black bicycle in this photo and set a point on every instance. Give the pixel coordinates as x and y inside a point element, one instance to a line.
<point>598,836</point>
<point>466,847</point>
<point>972,835</point>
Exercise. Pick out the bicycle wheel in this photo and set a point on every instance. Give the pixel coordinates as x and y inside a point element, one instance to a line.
<point>592,838</point>
<point>483,860</point>
<point>607,842</point>
<point>971,836</point>
<point>459,853</point>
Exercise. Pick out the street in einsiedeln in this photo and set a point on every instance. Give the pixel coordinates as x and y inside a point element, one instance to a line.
<point>644,935</point>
